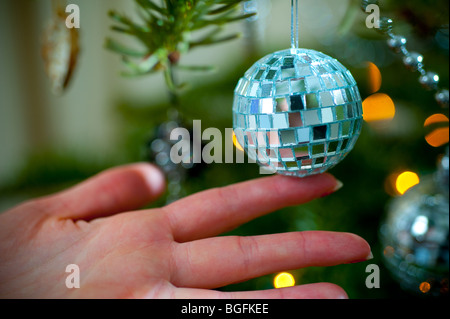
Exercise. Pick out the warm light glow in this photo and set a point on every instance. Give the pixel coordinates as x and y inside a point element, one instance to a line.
<point>439,135</point>
<point>425,287</point>
<point>389,184</point>
<point>435,118</point>
<point>236,143</point>
<point>388,251</point>
<point>378,107</point>
<point>283,280</point>
<point>405,181</point>
<point>374,77</point>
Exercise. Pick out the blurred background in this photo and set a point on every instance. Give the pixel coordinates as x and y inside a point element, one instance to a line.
<point>49,142</point>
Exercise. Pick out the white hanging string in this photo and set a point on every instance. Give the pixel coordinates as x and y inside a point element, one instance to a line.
<point>294,24</point>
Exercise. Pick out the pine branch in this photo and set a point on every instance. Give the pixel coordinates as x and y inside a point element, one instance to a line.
<point>168,29</point>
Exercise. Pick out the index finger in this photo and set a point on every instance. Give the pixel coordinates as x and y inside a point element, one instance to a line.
<point>218,210</point>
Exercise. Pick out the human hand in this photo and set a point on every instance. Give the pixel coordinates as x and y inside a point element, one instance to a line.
<point>168,252</point>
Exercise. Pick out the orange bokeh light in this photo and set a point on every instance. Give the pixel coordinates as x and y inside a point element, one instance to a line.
<point>439,135</point>
<point>405,181</point>
<point>425,287</point>
<point>378,107</point>
<point>436,118</point>
<point>374,77</point>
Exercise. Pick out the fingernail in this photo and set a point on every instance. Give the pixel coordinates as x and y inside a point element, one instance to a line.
<point>155,178</point>
<point>368,257</point>
<point>337,187</point>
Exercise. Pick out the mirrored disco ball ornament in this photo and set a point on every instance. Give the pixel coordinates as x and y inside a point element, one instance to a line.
<point>415,239</point>
<point>298,112</point>
<point>415,235</point>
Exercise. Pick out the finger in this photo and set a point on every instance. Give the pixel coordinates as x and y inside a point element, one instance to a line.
<point>309,291</point>
<point>113,191</point>
<point>219,261</point>
<point>215,211</point>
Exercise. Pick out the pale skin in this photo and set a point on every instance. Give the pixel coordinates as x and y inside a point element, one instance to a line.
<point>168,252</point>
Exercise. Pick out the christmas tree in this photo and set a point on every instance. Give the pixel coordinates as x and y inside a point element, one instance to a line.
<point>405,126</point>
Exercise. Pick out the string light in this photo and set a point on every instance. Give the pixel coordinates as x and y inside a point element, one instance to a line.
<point>378,107</point>
<point>374,77</point>
<point>283,280</point>
<point>437,135</point>
<point>425,287</point>
<point>405,181</point>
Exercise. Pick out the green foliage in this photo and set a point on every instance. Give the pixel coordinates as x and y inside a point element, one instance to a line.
<point>170,29</point>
